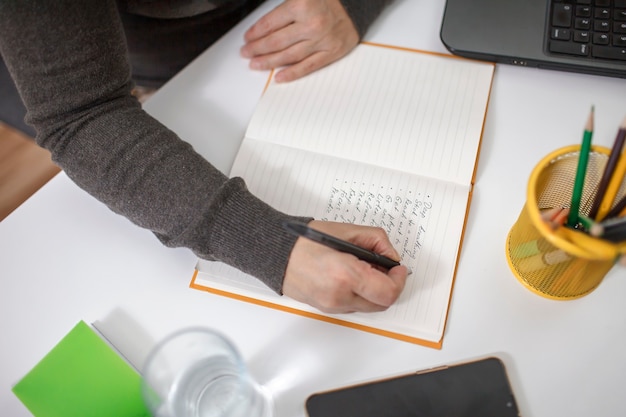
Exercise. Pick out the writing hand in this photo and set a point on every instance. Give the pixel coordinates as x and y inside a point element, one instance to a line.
<point>303,35</point>
<point>336,282</point>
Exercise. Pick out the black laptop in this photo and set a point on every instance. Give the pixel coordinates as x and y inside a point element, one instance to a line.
<point>587,36</point>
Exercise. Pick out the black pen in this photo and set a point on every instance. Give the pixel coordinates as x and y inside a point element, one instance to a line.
<point>301,229</point>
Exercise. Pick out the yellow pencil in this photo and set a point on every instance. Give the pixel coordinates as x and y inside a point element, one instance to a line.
<point>616,151</point>
<point>619,209</point>
<point>614,185</point>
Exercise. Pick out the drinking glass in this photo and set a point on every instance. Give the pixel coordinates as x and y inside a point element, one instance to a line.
<point>198,372</point>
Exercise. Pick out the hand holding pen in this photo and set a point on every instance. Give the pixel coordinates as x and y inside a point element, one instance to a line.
<point>335,281</point>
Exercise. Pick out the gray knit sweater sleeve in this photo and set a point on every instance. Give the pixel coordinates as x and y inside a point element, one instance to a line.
<point>69,61</point>
<point>364,12</point>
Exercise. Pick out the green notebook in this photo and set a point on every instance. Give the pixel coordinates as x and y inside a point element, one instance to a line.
<point>82,376</point>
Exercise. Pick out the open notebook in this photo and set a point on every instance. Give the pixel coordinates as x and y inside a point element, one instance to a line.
<point>387,137</point>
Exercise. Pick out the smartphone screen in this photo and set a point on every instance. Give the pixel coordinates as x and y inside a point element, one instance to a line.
<point>474,389</point>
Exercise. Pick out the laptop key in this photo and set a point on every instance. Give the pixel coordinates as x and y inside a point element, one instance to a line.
<point>582,23</point>
<point>562,15</point>
<point>601,26</point>
<point>602,13</point>
<point>583,11</point>
<point>561,34</point>
<point>608,52</point>
<point>579,49</point>
<point>581,36</point>
<point>601,38</point>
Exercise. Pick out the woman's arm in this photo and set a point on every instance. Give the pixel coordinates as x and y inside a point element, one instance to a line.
<point>69,61</point>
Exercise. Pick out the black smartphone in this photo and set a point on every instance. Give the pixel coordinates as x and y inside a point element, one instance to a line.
<point>478,388</point>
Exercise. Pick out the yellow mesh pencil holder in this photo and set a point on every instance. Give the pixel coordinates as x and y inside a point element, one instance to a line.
<point>559,262</point>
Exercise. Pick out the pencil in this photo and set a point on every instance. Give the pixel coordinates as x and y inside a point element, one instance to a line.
<point>559,219</point>
<point>555,217</point>
<point>583,159</point>
<point>614,185</point>
<point>615,235</point>
<point>547,214</point>
<point>586,222</point>
<point>609,169</point>
<point>617,209</point>
<point>613,230</point>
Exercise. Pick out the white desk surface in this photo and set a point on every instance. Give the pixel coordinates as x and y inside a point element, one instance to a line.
<point>64,257</point>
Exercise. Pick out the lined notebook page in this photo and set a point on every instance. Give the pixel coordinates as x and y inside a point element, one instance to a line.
<point>382,137</point>
<point>423,217</point>
<point>415,112</point>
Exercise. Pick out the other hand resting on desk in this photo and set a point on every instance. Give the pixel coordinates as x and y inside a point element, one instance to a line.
<point>337,282</point>
<point>304,34</point>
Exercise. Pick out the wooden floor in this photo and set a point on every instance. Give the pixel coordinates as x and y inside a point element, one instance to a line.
<point>24,168</point>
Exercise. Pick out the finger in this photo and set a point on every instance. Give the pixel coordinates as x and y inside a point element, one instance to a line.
<point>368,237</point>
<point>271,22</point>
<point>340,292</point>
<point>301,68</point>
<point>378,241</point>
<point>361,305</point>
<point>300,54</point>
<point>348,303</point>
<point>380,288</point>
<point>335,301</point>
<point>275,42</point>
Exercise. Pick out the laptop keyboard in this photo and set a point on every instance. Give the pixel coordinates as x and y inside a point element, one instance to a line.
<point>594,29</point>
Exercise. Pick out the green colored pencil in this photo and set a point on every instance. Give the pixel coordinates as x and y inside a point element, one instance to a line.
<point>583,159</point>
<point>586,222</point>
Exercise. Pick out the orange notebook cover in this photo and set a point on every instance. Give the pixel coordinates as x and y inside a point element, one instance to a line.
<point>385,136</point>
